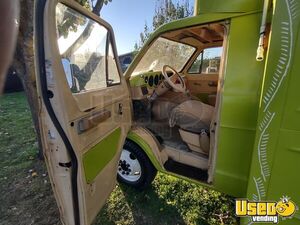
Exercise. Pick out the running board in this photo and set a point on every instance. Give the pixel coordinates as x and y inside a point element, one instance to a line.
<point>193,159</point>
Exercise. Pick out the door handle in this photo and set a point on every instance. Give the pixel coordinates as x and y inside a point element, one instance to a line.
<point>89,122</point>
<point>197,84</point>
<point>120,109</point>
<point>213,84</point>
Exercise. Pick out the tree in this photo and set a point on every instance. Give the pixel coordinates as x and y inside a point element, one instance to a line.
<point>98,5</point>
<point>24,56</point>
<point>165,12</point>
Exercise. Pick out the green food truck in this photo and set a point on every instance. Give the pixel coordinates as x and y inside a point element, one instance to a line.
<point>211,99</point>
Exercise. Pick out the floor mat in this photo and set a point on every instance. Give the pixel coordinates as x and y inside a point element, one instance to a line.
<point>167,135</point>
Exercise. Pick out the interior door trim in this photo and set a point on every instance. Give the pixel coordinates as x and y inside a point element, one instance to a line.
<point>41,67</point>
<point>93,120</point>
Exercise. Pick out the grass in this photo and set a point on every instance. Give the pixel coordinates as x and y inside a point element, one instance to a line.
<point>27,199</point>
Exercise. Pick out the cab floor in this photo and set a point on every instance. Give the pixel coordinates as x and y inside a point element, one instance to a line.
<point>167,135</point>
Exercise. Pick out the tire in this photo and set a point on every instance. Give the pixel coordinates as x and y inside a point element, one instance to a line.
<point>135,169</point>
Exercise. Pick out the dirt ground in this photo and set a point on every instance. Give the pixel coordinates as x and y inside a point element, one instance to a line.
<point>26,199</point>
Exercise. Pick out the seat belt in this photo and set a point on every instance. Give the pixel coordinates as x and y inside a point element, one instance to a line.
<point>204,141</point>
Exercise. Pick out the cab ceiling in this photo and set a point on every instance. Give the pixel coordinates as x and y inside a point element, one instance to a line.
<point>199,35</point>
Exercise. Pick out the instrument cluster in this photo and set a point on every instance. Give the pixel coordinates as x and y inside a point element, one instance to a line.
<point>152,80</point>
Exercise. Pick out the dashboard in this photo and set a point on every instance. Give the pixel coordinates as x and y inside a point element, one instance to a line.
<point>144,84</point>
<point>152,80</point>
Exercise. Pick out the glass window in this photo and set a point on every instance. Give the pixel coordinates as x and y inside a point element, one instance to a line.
<point>164,52</point>
<point>82,43</point>
<point>113,73</point>
<point>196,67</point>
<point>208,61</point>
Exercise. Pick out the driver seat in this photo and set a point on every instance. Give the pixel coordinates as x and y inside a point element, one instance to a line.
<point>193,119</point>
<point>165,103</point>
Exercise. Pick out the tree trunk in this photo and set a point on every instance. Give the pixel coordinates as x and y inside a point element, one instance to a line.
<point>24,61</point>
<point>98,6</point>
<point>24,64</point>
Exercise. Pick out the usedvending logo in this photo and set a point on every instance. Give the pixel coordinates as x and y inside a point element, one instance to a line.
<point>265,211</point>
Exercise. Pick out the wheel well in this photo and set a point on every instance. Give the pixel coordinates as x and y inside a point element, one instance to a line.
<point>143,145</point>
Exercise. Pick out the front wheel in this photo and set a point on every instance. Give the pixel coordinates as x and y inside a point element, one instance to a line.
<point>135,169</point>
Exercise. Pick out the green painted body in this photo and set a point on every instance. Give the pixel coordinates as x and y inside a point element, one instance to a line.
<point>239,106</point>
<point>146,147</point>
<point>258,154</point>
<point>275,163</point>
<point>100,155</point>
<point>221,6</point>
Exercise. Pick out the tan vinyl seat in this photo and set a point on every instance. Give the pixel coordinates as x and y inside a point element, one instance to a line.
<point>164,104</point>
<point>193,118</point>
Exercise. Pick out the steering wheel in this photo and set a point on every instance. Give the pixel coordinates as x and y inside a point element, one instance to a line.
<point>175,81</point>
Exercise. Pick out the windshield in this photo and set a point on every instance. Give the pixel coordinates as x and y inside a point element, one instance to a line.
<point>164,52</point>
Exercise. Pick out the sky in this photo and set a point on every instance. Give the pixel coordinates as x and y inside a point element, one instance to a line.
<point>128,17</point>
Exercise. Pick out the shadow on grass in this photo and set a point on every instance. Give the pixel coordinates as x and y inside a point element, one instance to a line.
<point>130,206</point>
<point>149,208</point>
<point>138,207</point>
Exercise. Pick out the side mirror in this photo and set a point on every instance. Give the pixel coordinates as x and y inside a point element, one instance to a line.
<point>68,71</point>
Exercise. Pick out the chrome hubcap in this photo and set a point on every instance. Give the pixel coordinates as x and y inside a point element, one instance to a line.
<point>129,167</point>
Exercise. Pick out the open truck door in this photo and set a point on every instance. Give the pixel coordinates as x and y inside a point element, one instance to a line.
<point>84,109</point>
